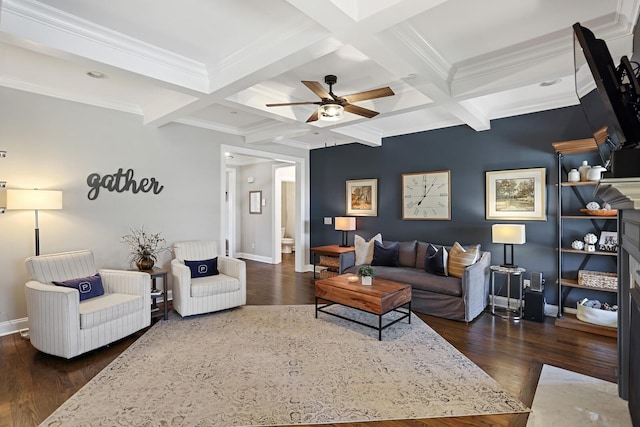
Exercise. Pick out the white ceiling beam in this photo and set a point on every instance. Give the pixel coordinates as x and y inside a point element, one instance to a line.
<point>277,134</point>
<point>47,26</point>
<point>361,133</point>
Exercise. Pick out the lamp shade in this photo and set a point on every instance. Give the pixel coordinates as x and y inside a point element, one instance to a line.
<point>34,199</point>
<point>330,112</point>
<point>345,223</point>
<point>513,234</point>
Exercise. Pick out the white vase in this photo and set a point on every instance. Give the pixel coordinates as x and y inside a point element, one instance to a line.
<point>366,280</point>
<point>583,170</point>
<point>574,175</point>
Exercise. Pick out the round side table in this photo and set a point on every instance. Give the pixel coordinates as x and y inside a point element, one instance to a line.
<point>510,312</point>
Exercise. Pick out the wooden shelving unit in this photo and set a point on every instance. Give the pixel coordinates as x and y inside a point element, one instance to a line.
<point>565,284</point>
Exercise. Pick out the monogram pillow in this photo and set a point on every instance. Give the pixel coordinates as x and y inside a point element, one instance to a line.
<point>89,287</point>
<point>204,268</point>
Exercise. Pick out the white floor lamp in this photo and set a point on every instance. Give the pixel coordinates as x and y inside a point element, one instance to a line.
<point>34,200</point>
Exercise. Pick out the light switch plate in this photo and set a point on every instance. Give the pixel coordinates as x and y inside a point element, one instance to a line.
<point>327,220</point>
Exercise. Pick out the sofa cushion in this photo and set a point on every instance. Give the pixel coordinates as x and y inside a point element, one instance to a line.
<point>420,279</point>
<point>214,285</point>
<point>107,307</point>
<point>436,261</point>
<point>364,249</point>
<point>407,256</point>
<point>88,287</point>
<point>459,259</point>
<point>385,253</point>
<point>421,254</point>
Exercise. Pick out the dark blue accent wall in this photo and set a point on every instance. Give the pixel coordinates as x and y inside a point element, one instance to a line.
<point>511,143</point>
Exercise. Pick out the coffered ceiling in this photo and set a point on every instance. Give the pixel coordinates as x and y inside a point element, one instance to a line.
<point>215,64</point>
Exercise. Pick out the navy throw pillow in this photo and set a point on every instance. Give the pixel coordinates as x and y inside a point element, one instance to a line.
<point>204,268</point>
<point>89,287</point>
<point>386,255</point>
<point>436,261</point>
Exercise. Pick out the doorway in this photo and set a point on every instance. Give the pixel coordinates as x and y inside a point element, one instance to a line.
<point>232,213</point>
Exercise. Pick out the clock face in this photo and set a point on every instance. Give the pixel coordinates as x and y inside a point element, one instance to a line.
<point>425,195</point>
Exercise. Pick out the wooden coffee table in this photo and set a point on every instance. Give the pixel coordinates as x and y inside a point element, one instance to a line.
<point>382,297</point>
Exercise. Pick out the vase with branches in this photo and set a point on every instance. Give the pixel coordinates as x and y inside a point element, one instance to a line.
<point>145,247</point>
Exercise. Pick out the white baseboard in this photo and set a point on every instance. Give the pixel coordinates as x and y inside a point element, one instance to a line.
<point>254,257</point>
<point>12,326</point>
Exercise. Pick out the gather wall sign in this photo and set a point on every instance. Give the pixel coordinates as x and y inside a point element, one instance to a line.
<point>120,182</point>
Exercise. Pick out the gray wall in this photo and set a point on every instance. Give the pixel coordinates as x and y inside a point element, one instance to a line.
<point>511,143</point>
<point>55,144</point>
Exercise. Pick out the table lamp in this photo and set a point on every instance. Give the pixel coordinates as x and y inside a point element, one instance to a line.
<point>34,200</point>
<point>509,235</point>
<point>345,224</point>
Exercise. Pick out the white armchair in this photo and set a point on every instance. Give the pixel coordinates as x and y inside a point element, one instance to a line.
<point>62,325</point>
<point>211,293</point>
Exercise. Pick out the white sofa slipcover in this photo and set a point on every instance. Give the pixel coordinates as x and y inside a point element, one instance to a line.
<point>62,325</point>
<point>206,294</point>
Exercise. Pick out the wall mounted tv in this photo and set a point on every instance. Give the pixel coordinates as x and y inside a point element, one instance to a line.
<point>610,96</point>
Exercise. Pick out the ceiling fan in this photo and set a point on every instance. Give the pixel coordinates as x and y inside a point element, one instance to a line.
<point>332,106</point>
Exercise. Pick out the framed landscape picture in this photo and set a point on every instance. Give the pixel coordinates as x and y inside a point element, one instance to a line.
<point>362,197</point>
<point>518,194</point>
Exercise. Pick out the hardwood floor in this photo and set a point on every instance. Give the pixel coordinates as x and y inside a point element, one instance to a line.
<point>33,384</point>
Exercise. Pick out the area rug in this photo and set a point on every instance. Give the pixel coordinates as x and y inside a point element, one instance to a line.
<point>565,398</point>
<point>275,365</point>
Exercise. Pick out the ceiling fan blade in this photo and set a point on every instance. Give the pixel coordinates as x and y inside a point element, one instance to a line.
<point>313,117</point>
<point>317,89</point>
<point>294,103</point>
<point>369,94</point>
<point>360,111</point>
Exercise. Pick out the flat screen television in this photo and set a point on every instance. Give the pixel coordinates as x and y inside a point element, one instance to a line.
<point>609,95</point>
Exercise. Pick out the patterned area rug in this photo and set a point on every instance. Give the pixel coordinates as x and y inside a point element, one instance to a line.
<point>274,365</point>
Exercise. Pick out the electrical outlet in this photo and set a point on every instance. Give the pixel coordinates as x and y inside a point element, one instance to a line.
<point>327,220</point>
<point>527,283</point>
<point>253,245</point>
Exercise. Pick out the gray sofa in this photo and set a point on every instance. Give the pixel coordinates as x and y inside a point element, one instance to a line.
<point>443,296</point>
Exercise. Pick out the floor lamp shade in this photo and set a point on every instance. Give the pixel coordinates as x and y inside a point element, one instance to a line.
<point>34,200</point>
<point>345,224</point>
<point>509,235</point>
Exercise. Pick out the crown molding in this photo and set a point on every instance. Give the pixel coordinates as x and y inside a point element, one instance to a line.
<point>52,27</point>
<point>68,96</point>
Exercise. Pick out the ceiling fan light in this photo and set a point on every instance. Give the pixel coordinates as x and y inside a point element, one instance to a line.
<point>330,112</point>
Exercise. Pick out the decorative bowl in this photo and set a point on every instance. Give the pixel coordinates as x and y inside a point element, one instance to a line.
<point>600,212</point>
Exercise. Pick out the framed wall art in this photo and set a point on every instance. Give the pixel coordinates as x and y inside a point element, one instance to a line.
<point>255,202</point>
<point>518,194</point>
<point>362,197</point>
<point>426,195</point>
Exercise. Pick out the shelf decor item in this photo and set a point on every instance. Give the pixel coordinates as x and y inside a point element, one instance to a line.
<point>145,247</point>
<point>583,170</point>
<point>518,195</point>
<point>574,175</point>
<point>608,241</point>
<point>598,279</point>
<point>578,245</point>
<point>366,273</point>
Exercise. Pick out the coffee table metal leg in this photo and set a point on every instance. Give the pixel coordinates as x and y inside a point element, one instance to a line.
<point>316,307</point>
<point>380,327</point>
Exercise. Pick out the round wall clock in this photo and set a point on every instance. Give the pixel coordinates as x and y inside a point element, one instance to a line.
<point>426,195</point>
